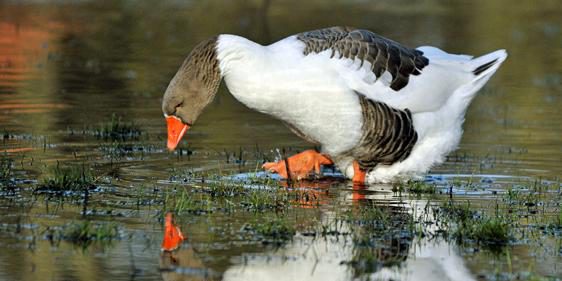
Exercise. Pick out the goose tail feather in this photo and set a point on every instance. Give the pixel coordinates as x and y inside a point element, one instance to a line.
<point>486,65</point>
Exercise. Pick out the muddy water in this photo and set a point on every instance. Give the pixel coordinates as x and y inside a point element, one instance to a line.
<point>66,68</point>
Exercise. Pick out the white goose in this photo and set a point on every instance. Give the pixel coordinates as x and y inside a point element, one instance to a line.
<point>380,111</point>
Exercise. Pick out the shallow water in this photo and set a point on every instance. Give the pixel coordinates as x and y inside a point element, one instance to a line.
<point>66,68</point>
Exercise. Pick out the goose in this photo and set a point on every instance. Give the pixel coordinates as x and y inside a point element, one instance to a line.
<point>380,111</point>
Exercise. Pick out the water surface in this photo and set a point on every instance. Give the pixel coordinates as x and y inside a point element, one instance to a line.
<point>68,67</point>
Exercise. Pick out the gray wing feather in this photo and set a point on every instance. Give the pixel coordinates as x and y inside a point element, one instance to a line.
<point>383,54</point>
<point>388,135</point>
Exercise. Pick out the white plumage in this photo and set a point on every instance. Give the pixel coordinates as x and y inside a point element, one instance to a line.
<point>318,95</point>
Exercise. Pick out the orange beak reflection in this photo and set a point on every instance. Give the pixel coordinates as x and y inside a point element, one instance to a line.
<point>176,130</point>
<point>172,234</point>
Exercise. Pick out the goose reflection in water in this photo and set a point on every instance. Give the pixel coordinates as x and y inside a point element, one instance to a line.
<point>383,253</point>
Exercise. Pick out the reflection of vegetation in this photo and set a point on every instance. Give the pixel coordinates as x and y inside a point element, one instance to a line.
<point>85,233</point>
<point>391,253</point>
<point>70,178</point>
<point>381,236</point>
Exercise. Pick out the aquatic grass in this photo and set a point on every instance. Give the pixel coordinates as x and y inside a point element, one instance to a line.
<point>415,187</point>
<point>6,173</point>
<point>493,230</point>
<point>183,201</point>
<point>252,193</point>
<point>375,216</point>
<point>266,199</point>
<point>223,188</point>
<point>556,223</point>
<point>69,178</point>
<point>466,225</point>
<point>5,168</point>
<point>512,196</point>
<point>419,187</point>
<point>118,130</point>
<point>263,181</point>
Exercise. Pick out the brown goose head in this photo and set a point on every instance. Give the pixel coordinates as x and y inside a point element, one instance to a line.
<point>193,87</point>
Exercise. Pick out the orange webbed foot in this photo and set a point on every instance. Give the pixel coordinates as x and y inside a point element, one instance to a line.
<point>358,174</point>
<point>172,234</point>
<point>301,166</point>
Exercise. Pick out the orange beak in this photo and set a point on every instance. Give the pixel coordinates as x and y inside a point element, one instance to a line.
<point>176,130</point>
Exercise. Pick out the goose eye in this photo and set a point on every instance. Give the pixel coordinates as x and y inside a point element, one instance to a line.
<point>178,106</point>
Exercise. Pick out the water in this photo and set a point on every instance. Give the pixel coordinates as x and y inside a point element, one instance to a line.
<point>68,67</point>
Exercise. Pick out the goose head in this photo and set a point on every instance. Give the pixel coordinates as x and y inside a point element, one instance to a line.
<point>193,88</point>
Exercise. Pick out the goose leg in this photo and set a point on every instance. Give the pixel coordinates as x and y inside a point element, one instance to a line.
<point>301,166</point>
<point>358,174</point>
